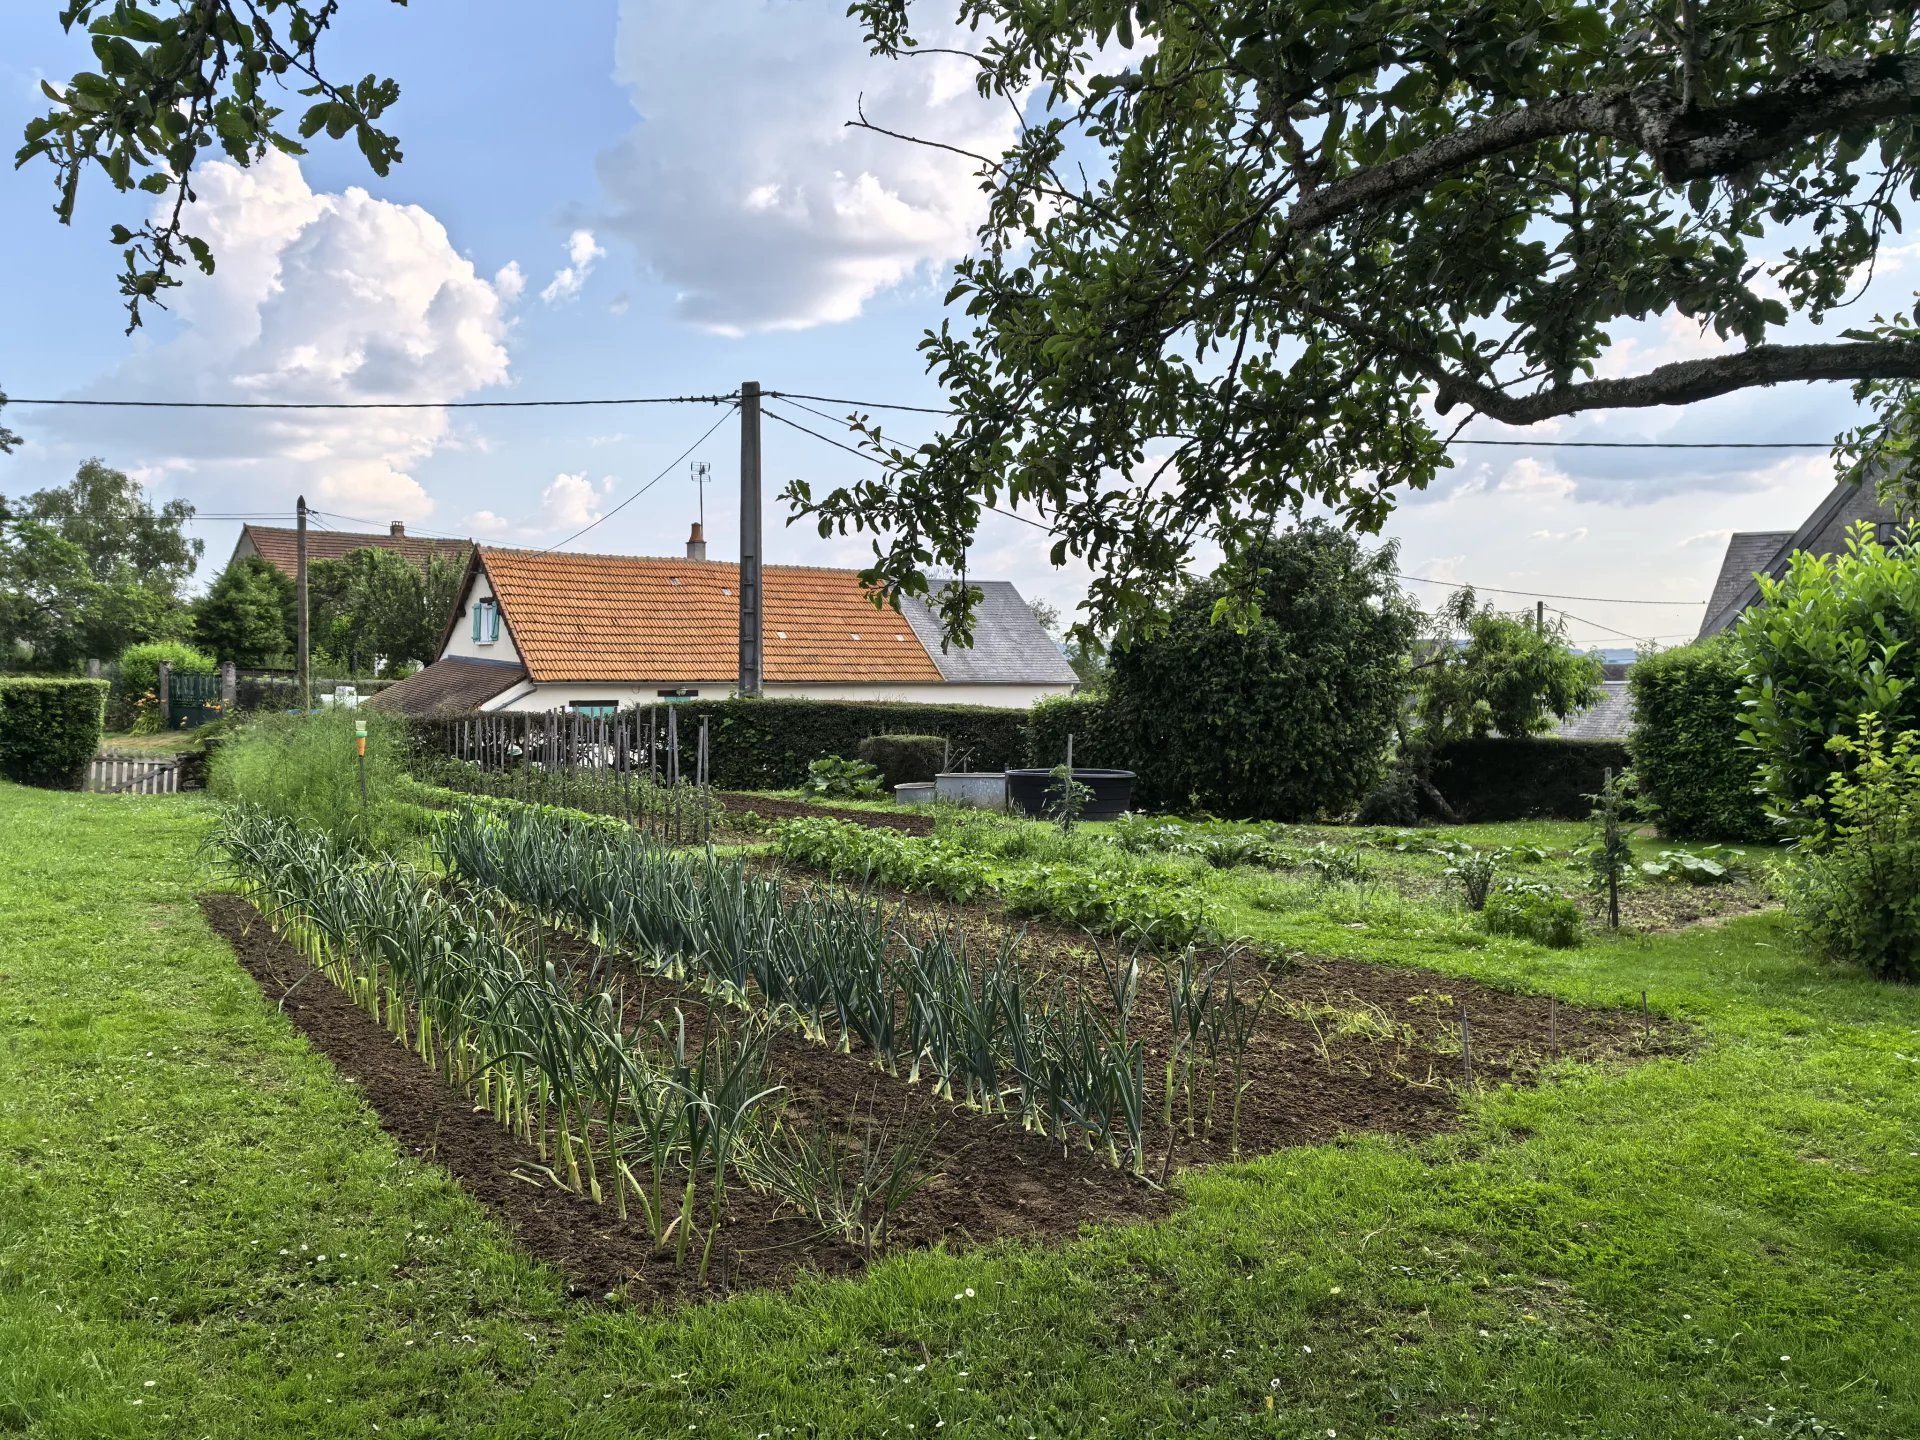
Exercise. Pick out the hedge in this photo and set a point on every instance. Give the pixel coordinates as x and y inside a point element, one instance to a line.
<point>1695,773</point>
<point>50,729</point>
<point>1099,738</point>
<point>768,744</point>
<point>904,759</point>
<point>1535,778</point>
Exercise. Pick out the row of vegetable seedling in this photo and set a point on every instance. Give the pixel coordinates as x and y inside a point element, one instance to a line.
<point>617,1100</point>
<point>1063,1059</point>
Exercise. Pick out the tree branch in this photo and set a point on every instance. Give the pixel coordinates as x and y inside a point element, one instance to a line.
<point>1685,381</point>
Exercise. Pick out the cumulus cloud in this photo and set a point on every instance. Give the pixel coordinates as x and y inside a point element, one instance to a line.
<point>573,500</point>
<point>751,199</point>
<point>318,297</point>
<point>1560,537</point>
<point>510,282</point>
<point>583,251</point>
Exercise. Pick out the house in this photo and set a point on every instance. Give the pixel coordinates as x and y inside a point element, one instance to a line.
<point>278,546</point>
<point>539,630</point>
<point>1608,718</point>
<point>1766,552</point>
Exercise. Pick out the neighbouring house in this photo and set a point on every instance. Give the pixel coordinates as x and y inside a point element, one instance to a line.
<point>538,630</point>
<point>1766,552</point>
<point>278,546</point>
<point>1608,718</point>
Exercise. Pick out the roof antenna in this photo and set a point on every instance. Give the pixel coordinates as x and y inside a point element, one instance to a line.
<point>702,472</point>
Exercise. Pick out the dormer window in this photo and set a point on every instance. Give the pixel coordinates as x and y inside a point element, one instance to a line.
<point>486,621</point>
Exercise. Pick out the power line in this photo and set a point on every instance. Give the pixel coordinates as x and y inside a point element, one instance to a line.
<point>381,404</point>
<point>1544,594</point>
<point>795,395</point>
<point>671,466</point>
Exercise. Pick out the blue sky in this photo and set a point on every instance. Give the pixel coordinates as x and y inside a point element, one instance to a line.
<point>648,198</point>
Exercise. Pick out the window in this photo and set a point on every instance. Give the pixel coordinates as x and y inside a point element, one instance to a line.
<point>486,622</point>
<point>671,695</point>
<point>599,709</point>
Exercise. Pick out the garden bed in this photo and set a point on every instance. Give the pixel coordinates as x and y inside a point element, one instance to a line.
<point>772,807</point>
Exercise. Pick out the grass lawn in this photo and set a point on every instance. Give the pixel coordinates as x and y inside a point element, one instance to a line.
<point>203,1233</point>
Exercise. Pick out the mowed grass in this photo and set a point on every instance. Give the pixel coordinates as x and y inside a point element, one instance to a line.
<point>202,1231</point>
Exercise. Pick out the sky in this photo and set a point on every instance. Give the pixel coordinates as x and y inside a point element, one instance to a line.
<point>661,197</point>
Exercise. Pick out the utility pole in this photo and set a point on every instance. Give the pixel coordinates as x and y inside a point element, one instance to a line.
<point>1540,616</point>
<point>751,669</point>
<point>300,661</point>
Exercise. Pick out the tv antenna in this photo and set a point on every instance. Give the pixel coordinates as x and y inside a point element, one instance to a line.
<point>702,472</point>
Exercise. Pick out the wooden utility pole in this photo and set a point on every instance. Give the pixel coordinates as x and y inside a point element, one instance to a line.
<point>302,668</point>
<point>1540,616</point>
<point>752,672</point>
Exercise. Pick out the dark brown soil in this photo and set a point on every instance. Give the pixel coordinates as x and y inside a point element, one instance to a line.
<point>1341,1048</point>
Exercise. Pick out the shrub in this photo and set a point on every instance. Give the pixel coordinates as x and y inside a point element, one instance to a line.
<point>302,767</point>
<point>1537,777</point>
<point>1832,640</point>
<point>1853,886</point>
<point>834,777</point>
<point>904,759</point>
<point>1533,912</point>
<point>1474,873</point>
<point>1100,741</point>
<point>1697,777</point>
<point>1275,685</point>
<point>50,729</point>
<point>140,677</point>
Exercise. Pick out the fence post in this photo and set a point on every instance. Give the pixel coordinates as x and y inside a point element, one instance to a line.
<point>165,685</point>
<point>229,686</point>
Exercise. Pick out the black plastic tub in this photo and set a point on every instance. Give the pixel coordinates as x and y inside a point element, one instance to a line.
<point>1035,793</point>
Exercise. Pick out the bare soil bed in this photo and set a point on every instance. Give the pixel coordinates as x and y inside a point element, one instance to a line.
<point>1341,1048</point>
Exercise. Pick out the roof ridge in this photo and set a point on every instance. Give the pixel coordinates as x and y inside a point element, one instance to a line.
<point>655,559</point>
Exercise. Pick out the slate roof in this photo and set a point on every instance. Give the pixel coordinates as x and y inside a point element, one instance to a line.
<point>277,545</point>
<point>1009,645</point>
<point>1608,718</point>
<point>453,685</point>
<point>1768,551</point>
<point>635,617</point>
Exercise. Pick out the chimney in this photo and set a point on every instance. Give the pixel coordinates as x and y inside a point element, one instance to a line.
<point>397,530</point>
<point>697,542</point>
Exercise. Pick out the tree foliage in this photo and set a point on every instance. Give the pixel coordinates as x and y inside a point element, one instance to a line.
<point>174,79</point>
<point>90,567</point>
<point>1245,253</point>
<point>1696,775</point>
<point>1485,671</point>
<point>1287,713</point>
<point>374,602</point>
<point>247,614</point>
<point>1833,639</point>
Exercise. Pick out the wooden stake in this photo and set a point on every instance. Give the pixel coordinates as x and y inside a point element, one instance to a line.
<point>1466,1047</point>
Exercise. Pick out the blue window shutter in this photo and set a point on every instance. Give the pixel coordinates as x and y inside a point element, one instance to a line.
<point>476,619</point>
<point>493,620</point>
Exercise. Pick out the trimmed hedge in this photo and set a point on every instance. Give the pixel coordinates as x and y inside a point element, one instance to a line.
<point>768,744</point>
<point>1099,738</point>
<point>1694,771</point>
<point>904,759</point>
<point>50,729</point>
<point>1539,777</point>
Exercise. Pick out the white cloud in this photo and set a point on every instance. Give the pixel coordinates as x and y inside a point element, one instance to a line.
<point>510,282</point>
<point>485,525</point>
<point>582,253</point>
<point>1560,537</point>
<point>317,297</point>
<point>573,500</point>
<point>743,188</point>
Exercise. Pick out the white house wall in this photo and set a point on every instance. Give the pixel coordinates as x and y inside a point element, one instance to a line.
<point>532,697</point>
<point>461,641</point>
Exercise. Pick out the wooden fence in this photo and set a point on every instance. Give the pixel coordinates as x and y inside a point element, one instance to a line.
<point>122,774</point>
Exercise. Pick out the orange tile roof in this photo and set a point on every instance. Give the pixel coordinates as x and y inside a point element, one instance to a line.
<point>276,545</point>
<point>639,617</point>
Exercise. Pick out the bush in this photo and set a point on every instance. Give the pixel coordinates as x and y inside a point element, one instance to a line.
<point>1275,686</point>
<point>1100,741</point>
<point>302,767</point>
<point>1696,776</point>
<point>50,729</point>
<point>140,676</point>
<point>1834,639</point>
<point>904,759</point>
<point>1533,778</point>
<point>1532,912</point>
<point>1853,887</point>
<point>834,777</point>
